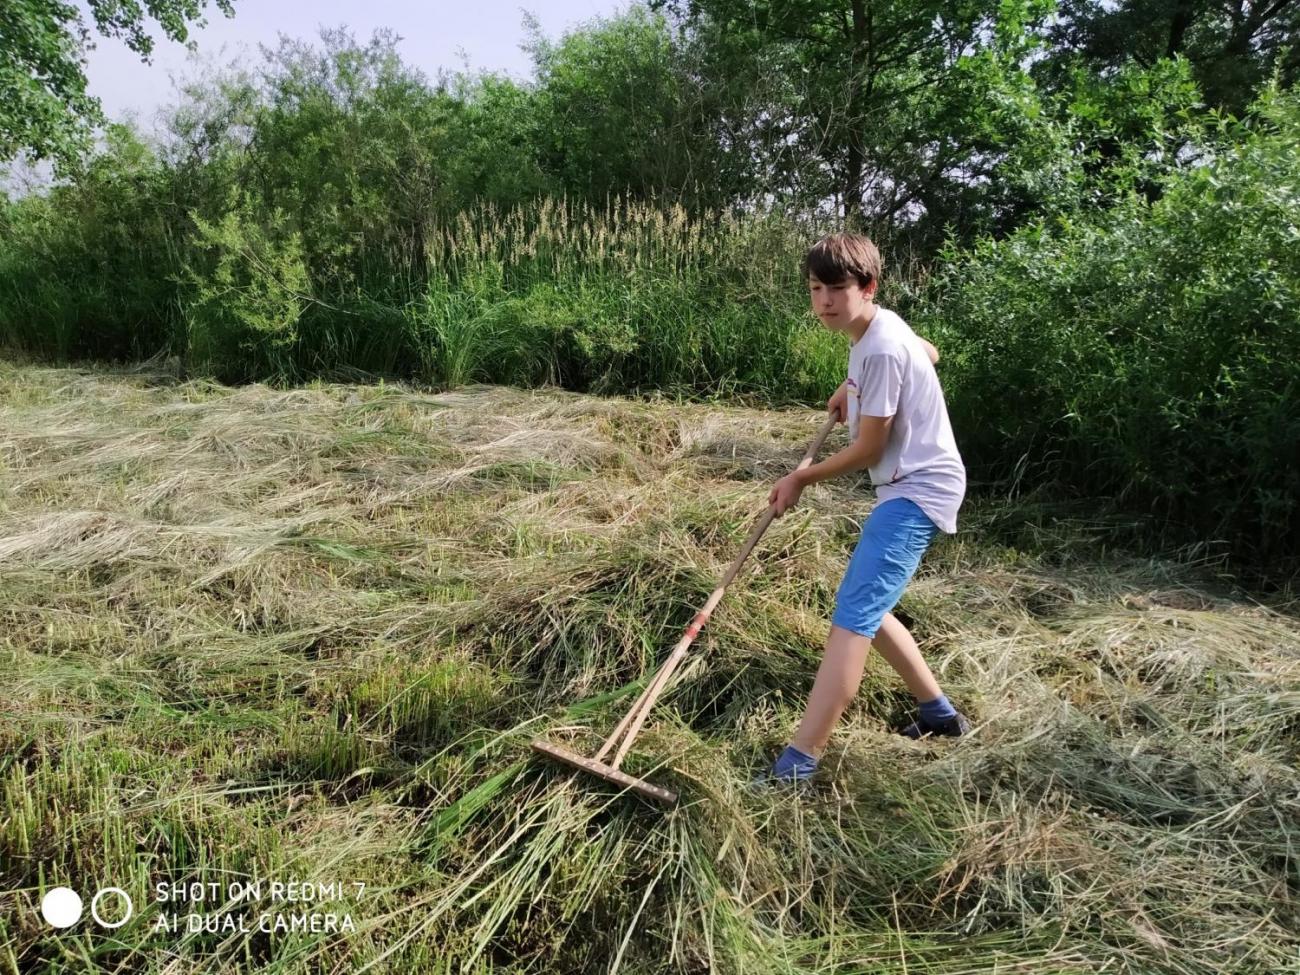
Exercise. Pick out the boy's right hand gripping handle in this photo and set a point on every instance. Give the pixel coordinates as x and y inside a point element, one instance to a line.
<point>770,513</point>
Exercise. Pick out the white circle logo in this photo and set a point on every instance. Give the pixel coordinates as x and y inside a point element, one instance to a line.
<point>94,907</point>
<point>61,907</point>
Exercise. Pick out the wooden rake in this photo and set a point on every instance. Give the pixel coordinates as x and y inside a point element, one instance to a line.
<point>631,724</point>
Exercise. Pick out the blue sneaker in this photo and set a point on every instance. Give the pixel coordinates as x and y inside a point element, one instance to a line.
<point>953,727</point>
<point>793,767</point>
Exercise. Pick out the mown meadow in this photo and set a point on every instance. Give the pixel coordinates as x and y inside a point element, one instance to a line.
<point>307,635</point>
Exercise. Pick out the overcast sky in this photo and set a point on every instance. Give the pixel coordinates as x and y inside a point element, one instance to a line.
<point>434,34</point>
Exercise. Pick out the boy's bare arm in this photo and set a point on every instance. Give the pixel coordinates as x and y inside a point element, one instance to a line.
<point>866,450</point>
<point>931,351</point>
<point>838,405</point>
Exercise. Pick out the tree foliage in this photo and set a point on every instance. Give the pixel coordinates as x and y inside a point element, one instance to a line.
<point>44,108</point>
<point>621,107</point>
<point>880,106</point>
<point>1139,351</point>
<point>1233,47</point>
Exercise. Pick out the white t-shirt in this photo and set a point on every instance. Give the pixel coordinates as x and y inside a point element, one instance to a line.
<point>890,374</point>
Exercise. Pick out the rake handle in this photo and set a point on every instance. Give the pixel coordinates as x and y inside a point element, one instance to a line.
<point>636,716</point>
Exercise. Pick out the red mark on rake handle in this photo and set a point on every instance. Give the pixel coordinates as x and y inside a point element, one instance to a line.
<point>697,624</point>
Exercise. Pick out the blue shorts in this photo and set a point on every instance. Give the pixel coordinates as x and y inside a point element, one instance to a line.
<point>894,537</point>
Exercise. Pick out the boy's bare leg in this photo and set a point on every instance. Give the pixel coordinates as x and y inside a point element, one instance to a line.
<point>840,675</point>
<point>837,681</point>
<point>894,642</point>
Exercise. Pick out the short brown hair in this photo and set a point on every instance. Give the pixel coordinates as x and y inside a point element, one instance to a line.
<point>834,258</point>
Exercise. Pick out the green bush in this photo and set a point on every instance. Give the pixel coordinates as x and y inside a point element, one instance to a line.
<point>1144,352</point>
<point>84,269</point>
<point>605,332</point>
<point>247,290</point>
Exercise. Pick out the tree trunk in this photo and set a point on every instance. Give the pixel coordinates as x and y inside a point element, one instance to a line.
<point>859,52</point>
<point>1184,15</point>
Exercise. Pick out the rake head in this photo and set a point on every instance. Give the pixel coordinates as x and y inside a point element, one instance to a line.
<point>607,772</point>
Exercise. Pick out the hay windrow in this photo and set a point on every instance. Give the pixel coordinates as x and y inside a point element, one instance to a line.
<point>259,632</point>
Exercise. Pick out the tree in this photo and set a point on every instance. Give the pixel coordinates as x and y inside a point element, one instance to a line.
<point>881,107</point>
<point>620,109</point>
<point>1233,45</point>
<point>44,108</point>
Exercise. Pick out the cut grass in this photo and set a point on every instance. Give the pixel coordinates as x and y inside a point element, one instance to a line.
<point>309,634</point>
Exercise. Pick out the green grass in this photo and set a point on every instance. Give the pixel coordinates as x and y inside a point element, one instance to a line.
<point>258,634</point>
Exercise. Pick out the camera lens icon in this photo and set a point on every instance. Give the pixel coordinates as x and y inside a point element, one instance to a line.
<point>62,907</point>
<point>94,907</point>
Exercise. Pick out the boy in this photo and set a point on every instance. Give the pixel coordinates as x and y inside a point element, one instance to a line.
<point>899,430</point>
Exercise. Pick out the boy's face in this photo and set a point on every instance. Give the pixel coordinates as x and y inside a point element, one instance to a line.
<point>839,304</point>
